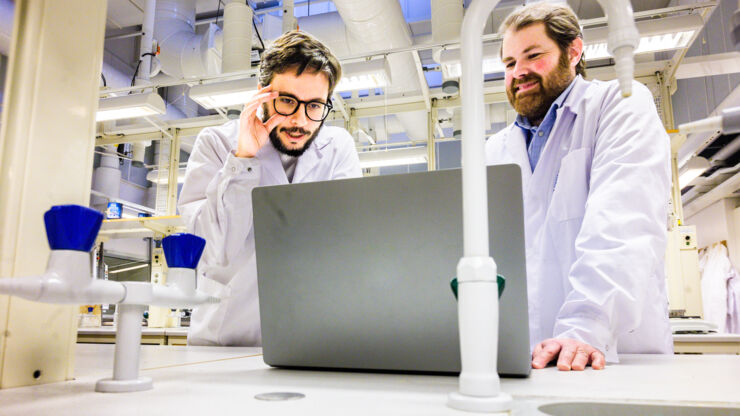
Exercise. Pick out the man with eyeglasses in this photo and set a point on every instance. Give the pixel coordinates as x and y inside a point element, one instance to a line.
<point>279,139</point>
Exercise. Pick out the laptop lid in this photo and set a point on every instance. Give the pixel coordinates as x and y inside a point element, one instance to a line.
<point>355,274</point>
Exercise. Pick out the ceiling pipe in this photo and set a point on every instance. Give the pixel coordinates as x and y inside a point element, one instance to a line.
<point>378,26</point>
<point>237,42</point>
<point>183,53</point>
<point>447,16</point>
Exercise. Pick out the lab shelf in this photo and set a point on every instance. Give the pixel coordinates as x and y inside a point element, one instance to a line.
<point>141,227</point>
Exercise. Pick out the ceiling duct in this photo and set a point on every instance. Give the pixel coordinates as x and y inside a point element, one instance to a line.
<point>378,26</point>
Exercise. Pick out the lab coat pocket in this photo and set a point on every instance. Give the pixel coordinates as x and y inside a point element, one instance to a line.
<point>571,188</point>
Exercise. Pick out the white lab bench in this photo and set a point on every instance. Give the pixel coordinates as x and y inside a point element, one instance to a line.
<point>224,380</point>
<point>149,336</point>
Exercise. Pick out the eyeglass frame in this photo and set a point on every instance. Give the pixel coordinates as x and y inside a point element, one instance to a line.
<point>327,104</point>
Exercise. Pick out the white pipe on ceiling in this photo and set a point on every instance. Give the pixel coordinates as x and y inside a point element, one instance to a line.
<point>377,26</point>
<point>237,37</point>
<point>183,53</point>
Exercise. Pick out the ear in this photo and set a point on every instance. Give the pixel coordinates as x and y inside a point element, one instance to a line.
<point>575,51</point>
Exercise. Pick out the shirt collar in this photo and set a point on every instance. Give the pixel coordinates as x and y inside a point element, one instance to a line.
<point>523,123</point>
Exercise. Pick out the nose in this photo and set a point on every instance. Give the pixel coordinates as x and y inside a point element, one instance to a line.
<point>521,69</point>
<point>299,118</point>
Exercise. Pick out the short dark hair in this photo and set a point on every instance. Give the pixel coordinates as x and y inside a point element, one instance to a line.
<point>561,25</point>
<point>299,51</point>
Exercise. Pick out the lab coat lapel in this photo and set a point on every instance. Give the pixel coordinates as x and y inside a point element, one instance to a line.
<point>307,162</point>
<point>271,165</point>
<point>311,158</point>
<point>516,147</point>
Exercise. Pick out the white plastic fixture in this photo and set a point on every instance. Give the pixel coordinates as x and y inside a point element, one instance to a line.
<point>364,75</point>
<point>68,279</point>
<point>393,157</point>
<point>478,312</point>
<point>224,93</point>
<point>691,170</point>
<point>129,106</point>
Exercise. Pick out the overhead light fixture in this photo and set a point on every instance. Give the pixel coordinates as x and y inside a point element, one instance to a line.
<point>129,106</point>
<point>691,170</point>
<point>153,176</point>
<point>655,43</point>
<point>393,157</point>
<point>655,36</point>
<point>450,61</point>
<point>224,93</point>
<point>364,75</point>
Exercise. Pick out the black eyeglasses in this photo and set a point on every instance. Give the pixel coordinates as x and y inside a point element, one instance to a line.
<point>286,105</point>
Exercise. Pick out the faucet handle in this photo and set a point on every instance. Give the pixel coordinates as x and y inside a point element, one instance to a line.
<point>183,250</point>
<point>72,227</point>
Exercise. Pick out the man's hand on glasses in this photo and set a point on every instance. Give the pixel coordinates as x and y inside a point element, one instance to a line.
<point>253,133</point>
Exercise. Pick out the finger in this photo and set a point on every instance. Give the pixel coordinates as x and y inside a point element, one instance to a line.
<point>581,359</point>
<point>597,360</point>
<point>258,99</point>
<point>565,360</point>
<point>538,349</point>
<point>549,351</point>
<point>273,122</point>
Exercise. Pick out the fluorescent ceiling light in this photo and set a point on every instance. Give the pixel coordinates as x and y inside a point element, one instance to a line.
<point>648,44</point>
<point>450,60</point>
<point>691,170</point>
<point>393,157</point>
<point>655,35</point>
<point>128,106</point>
<point>364,75</point>
<point>153,176</point>
<point>224,93</point>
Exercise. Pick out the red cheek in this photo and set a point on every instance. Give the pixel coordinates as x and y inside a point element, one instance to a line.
<point>541,66</point>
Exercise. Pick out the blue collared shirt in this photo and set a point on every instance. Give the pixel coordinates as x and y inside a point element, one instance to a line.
<point>536,136</point>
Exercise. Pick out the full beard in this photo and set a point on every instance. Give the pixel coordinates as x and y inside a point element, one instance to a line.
<point>278,144</point>
<point>280,147</point>
<point>534,104</point>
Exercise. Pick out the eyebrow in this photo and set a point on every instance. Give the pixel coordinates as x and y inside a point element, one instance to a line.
<point>287,94</point>
<point>535,46</point>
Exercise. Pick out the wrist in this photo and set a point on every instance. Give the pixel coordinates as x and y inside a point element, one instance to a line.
<point>244,154</point>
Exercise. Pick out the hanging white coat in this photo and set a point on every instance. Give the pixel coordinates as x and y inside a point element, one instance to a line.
<point>216,202</point>
<point>595,221</point>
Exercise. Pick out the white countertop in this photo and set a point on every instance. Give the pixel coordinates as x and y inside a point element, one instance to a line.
<point>711,337</point>
<point>219,380</point>
<point>107,330</point>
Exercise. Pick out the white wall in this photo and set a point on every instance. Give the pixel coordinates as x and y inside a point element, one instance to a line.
<point>717,222</point>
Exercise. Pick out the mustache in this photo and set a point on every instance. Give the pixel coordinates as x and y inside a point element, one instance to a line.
<point>294,130</point>
<point>528,78</point>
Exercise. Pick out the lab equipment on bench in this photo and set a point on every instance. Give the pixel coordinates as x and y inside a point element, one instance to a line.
<point>71,231</point>
<point>355,273</point>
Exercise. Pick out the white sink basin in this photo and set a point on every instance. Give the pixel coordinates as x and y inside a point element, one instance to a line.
<point>619,409</point>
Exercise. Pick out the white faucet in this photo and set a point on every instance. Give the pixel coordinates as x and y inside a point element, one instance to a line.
<point>479,389</point>
<point>71,231</point>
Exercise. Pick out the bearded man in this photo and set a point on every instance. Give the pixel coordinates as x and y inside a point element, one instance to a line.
<point>278,139</point>
<point>596,179</point>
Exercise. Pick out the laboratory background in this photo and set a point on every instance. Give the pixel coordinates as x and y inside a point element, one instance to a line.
<point>102,102</point>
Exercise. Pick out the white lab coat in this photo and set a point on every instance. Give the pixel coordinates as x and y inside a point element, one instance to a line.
<point>716,272</point>
<point>216,202</point>
<point>595,221</point>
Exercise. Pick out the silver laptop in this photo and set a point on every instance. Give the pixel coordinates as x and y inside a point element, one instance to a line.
<point>355,274</point>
